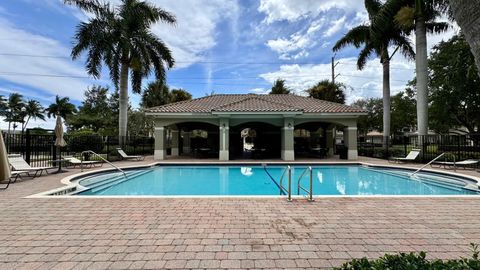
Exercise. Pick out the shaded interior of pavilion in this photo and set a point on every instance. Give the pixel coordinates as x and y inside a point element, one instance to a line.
<point>252,140</point>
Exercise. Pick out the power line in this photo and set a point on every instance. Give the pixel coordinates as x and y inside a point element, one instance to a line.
<point>206,62</point>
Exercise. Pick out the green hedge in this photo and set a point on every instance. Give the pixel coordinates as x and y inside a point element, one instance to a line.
<point>413,261</point>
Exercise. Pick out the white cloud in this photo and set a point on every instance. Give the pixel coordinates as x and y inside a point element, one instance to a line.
<point>335,26</point>
<point>260,91</point>
<point>17,41</point>
<point>195,30</point>
<point>288,10</point>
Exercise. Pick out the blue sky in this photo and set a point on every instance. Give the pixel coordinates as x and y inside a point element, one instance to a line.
<point>220,46</point>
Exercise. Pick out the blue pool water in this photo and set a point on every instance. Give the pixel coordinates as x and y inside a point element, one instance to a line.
<point>256,180</point>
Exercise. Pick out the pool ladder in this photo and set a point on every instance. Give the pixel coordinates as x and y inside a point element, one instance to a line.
<point>288,190</point>
<point>103,159</point>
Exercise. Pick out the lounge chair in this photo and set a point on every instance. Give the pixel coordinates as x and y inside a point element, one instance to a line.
<point>467,163</point>
<point>127,157</point>
<point>13,178</point>
<point>19,164</point>
<point>410,157</point>
<point>73,161</point>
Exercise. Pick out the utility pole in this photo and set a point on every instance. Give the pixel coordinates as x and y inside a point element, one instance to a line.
<point>333,69</point>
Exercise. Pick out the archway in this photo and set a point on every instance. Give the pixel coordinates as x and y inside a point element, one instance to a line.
<point>198,139</point>
<point>314,139</point>
<point>255,140</point>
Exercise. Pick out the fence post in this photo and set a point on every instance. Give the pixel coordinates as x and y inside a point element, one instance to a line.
<point>28,146</point>
<point>108,147</point>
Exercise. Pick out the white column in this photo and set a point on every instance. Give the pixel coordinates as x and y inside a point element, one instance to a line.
<point>287,139</point>
<point>224,133</point>
<point>160,152</point>
<point>175,139</point>
<point>350,139</point>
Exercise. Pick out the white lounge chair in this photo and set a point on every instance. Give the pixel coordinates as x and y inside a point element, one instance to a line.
<point>127,157</point>
<point>19,164</point>
<point>73,161</point>
<point>467,163</point>
<point>410,157</point>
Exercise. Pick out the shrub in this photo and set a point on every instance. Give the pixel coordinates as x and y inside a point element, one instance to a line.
<point>413,261</point>
<point>85,140</point>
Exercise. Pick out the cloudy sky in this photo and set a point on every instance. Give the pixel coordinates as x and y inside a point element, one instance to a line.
<point>219,46</point>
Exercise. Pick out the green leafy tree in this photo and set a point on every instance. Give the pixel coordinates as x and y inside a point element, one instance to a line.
<point>403,111</point>
<point>177,95</point>
<point>32,110</point>
<point>121,38</point>
<point>455,86</point>
<point>373,120</point>
<point>140,124</point>
<point>279,87</point>
<point>329,91</point>
<point>375,43</point>
<point>94,113</point>
<point>466,13</point>
<point>419,16</point>
<point>61,107</point>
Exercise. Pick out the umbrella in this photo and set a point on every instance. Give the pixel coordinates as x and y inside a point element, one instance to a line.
<point>59,141</point>
<point>4,165</point>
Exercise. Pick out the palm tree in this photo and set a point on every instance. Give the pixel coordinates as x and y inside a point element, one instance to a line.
<point>155,94</point>
<point>418,16</point>
<point>279,87</point>
<point>329,91</point>
<point>121,38</point>
<point>33,110</point>
<point>13,109</point>
<point>364,35</point>
<point>467,15</point>
<point>61,107</point>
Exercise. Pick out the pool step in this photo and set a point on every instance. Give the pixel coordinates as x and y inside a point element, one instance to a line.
<point>102,185</point>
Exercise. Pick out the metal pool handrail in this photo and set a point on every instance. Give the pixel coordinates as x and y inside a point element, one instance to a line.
<point>421,168</point>
<point>102,158</point>
<point>289,190</point>
<point>310,190</point>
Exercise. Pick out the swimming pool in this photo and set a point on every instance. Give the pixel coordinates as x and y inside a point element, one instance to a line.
<point>265,181</point>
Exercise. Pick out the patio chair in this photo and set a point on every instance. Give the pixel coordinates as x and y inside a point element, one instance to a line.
<point>410,157</point>
<point>13,178</point>
<point>127,157</point>
<point>19,164</point>
<point>467,163</point>
<point>73,161</point>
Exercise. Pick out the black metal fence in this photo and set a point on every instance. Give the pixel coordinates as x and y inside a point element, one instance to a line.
<point>455,147</point>
<point>40,149</point>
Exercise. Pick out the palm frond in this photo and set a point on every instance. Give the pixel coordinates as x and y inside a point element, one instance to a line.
<point>364,55</point>
<point>356,37</point>
<point>437,27</point>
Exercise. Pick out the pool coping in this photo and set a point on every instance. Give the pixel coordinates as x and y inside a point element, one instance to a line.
<point>69,185</point>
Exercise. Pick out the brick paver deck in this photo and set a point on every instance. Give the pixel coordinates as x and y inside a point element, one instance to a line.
<point>156,233</point>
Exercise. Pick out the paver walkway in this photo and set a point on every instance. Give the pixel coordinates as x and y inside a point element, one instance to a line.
<point>155,233</point>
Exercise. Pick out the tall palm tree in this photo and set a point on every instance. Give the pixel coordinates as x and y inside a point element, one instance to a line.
<point>279,87</point>
<point>364,35</point>
<point>467,15</point>
<point>419,16</point>
<point>61,107</point>
<point>121,38</point>
<point>13,109</point>
<point>33,110</point>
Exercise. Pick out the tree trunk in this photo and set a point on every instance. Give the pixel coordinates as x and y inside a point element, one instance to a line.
<point>467,15</point>
<point>123,104</point>
<point>386,101</point>
<point>422,75</point>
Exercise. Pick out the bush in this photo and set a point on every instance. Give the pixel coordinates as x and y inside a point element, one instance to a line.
<point>85,140</point>
<point>413,261</point>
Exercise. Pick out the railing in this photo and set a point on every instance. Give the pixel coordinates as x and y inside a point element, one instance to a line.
<point>102,158</point>
<point>310,189</point>
<point>433,160</point>
<point>289,190</point>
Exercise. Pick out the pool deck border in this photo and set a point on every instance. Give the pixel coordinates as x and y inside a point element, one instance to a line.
<point>69,183</point>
